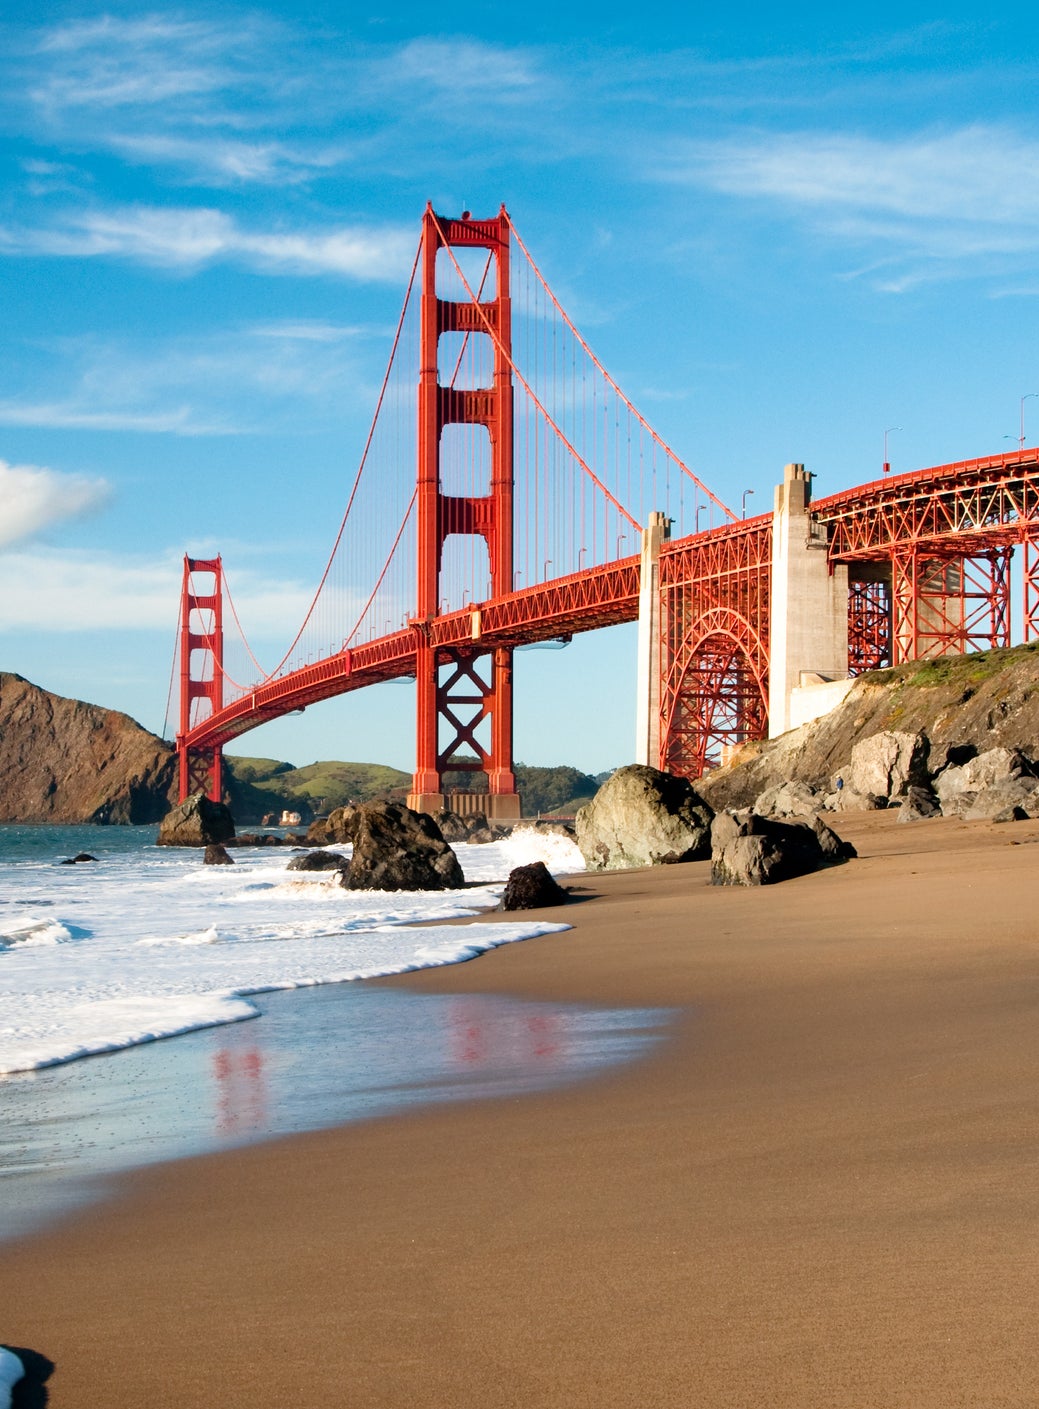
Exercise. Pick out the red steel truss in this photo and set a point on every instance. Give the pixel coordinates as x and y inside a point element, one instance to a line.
<point>940,542</point>
<point>715,590</point>
<point>869,625</point>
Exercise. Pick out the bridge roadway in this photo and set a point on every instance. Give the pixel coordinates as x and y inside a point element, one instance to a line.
<point>971,507</point>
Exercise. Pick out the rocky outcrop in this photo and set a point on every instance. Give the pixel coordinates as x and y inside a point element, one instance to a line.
<point>65,761</point>
<point>532,888</point>
<point>748,850</point>
<point>196,822</point>
<point>642,817</point>
<point>963,705</point>
<point>217,855</point>
<point>397,849</point>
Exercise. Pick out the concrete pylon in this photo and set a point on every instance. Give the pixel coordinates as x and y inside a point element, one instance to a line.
<point>647,704</point>
<point>808,644</point>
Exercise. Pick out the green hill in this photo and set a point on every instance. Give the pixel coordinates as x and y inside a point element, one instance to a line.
<point>256,787</point>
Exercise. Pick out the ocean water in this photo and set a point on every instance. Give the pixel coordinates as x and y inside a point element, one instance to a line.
<point>248,969</point>
<point>146,942</point>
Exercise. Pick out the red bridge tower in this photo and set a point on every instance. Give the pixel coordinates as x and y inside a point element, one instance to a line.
<point>458,689</point>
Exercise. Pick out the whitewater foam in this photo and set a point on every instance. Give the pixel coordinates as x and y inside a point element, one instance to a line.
<point>150,943</point>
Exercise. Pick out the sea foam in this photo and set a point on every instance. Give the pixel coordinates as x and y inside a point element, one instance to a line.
<point>164,945</point>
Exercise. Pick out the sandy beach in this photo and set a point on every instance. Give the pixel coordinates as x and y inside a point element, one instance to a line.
<point>820,1191</point>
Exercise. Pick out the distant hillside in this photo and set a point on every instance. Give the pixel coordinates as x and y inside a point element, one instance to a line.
<point>65,761</point>
<point>256,787</point>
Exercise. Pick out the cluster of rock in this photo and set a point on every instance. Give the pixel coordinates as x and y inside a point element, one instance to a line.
<point>643,817</point>
<point>748,849</point>
<point>900,769</point>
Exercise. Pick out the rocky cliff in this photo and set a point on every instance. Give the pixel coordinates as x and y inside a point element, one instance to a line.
<point>65,761</point>
<point>979,701</point>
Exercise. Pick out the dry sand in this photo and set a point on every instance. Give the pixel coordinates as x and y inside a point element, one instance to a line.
<point>821,1192</point>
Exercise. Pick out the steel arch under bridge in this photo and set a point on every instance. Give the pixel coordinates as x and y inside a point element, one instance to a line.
<point>932,561</point>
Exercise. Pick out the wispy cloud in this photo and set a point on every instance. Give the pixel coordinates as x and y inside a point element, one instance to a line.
<point>186,239</point>
<point>74,590</point>
<point>218,160</point>
<point>465,66</point>
<point>237,381</point>
<point>938,199</point>
<point>33,499</point>
<point>111,62</point>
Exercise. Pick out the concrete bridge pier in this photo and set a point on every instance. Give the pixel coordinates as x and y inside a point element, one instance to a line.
<point>649,660</point>
<point>808,627</point>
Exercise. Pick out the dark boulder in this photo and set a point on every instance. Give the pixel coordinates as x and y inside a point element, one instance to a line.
<point>643,817</point>
<point>918,805</point>
<point>217,855</point>
<point>397,849</point>
<point>532,888</point>
<point>318,861</point>
<point>196,822</point>
<point>748,850</point>
<point>80,856</point>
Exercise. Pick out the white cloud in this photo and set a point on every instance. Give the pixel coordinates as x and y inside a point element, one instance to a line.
<point>464,66</point>
<point>225,160</point>
<point>186,239</point>
<point>85,415</point>
<point>281,374</point>
<point>111,62</point>
<point>946,198</point>
<point>32,499</point>
<point>78,591</point>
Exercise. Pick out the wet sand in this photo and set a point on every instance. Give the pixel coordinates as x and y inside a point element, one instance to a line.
<point>821,1192</point>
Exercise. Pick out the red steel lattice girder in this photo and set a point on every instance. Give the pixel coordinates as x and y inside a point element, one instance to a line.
<point>715,593</point>
<point>869,626</point>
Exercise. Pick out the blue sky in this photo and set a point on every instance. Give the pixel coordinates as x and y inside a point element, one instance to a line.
<point>783,232</point>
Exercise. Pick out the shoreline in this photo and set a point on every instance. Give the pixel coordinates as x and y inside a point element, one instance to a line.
<point>820,1190</point>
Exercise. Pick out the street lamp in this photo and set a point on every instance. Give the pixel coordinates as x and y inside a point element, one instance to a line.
<point>1021,441</point>
<point>743,503</point>
<point>887,463</point>
<point>699,510</point>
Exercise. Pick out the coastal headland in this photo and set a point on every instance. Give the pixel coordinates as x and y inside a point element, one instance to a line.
<point>819,1191</point>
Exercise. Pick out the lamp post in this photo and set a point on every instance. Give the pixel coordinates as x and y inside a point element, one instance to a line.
<point>887,462</point>
<point>699,510</point>
<point>743,503</point>
<point>1027,395</point>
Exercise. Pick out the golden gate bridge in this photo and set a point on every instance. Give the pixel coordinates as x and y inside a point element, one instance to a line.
<point>509,493</point>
